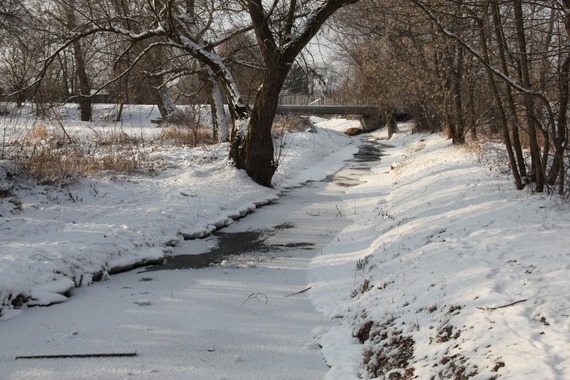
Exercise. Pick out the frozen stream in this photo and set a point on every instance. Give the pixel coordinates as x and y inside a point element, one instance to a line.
<point>246,317</point>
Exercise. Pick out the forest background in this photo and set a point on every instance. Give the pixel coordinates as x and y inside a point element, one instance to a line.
<point>471,68</point>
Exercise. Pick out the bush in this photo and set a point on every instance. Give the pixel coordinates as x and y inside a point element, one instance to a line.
<point>186,128</point>
<point>291,123</point>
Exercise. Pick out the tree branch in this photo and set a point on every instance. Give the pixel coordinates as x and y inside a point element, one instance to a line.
<point>502,306</point>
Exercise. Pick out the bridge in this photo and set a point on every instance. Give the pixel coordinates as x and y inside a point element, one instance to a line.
<point>370,116</point>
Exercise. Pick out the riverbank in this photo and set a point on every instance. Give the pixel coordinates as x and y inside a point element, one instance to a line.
<point>56,238</point>
<point>445,271</point>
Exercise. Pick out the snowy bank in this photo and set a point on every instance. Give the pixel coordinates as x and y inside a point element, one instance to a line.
<point>447,272</point>
<point>55,238</point>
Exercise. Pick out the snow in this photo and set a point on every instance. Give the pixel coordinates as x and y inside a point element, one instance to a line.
<point>454,257</point>
<point>51,292</point>
<point>441,257</point>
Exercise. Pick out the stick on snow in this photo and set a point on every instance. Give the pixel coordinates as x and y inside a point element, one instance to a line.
<point>302,291</point>
<point>75,356</point>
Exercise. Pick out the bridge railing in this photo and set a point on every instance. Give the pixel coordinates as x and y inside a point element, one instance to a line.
<point>305,100</point>
<point>370,116</point>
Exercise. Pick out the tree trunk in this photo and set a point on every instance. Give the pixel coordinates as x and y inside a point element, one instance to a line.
<point>254,152</point>
<point>472,124</point>
<point>159,96</point>
<point>219,119</point>
<point>557,167</point>
<point>557,170</point>
<point>528,102</point>
<point>82,77</point>
<point>500,107</point>
<point>458,130</point>
<point>166,101</point>
<point>119,114</point>
<point>502,50</point>
<point>390,121</point>
<point>84,87</point>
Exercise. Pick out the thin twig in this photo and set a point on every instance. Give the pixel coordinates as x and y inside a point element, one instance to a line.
<point>502,306</point>
<point>340,214</point>
<point>260,297</point>
<point>302,291</point>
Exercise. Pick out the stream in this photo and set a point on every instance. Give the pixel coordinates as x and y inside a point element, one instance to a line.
<point>232,306</point>
<point>313,217</point>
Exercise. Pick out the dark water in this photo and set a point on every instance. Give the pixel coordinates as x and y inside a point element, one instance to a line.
<point>284,237</point>
<point>232,244</point>
<point>369,152</point>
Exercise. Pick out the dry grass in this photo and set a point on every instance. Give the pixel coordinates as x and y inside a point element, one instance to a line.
<point>479,146</point>
<point>49,153</point>
<point>291,123</point>
<point>475,148</point>
<point>50,157</point>
<point>185,128</point>
<point>184,136</point>
<point>38,132</point>
<point>117,138</point>
<point>50,166</point>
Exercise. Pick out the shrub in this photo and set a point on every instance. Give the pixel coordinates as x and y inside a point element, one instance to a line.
<point>291,123</point>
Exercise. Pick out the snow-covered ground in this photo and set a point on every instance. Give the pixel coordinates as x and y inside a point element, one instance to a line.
<point>55,238</point>
<point>445,272</point>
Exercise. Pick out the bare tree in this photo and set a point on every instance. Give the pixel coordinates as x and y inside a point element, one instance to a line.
<point>393,58</point>
<point>83,95</point>
<point>11,12</point>
<point>530,39</point>
<point>282,30</point>
<point>471,64</point>
<point>18,49</point>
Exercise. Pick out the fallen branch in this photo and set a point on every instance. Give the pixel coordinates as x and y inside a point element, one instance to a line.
<point>502,306</point>
<point>302,291</point>
<point>75,356</point>
<point>260,297</point>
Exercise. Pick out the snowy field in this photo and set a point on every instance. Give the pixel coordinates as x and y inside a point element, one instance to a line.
<point>445,272</point>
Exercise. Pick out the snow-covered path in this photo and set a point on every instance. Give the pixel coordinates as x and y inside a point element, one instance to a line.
<point>240,320</point>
